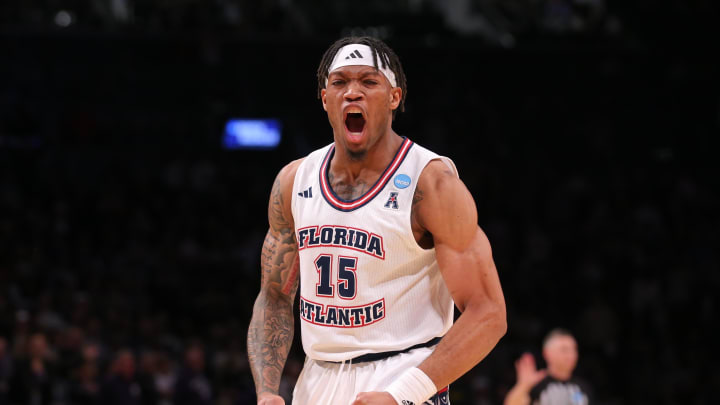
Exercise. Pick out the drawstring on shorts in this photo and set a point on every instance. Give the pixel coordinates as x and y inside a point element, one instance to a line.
<point>339,374</point>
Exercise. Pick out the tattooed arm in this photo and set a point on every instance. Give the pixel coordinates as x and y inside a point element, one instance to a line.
<point>271,328</point>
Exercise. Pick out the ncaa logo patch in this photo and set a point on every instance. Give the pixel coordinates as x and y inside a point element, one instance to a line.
<point>402,181</point>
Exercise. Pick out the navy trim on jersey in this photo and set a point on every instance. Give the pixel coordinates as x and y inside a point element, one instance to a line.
<point>350,205</point>
<point>384,355</point>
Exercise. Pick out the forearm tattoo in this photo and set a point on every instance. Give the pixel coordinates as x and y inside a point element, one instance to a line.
<point>271,329</point>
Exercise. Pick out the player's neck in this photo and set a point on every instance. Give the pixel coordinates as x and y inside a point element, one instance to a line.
<point>375,159</point>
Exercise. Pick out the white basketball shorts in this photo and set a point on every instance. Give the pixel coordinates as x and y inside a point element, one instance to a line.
<point>326,383</point>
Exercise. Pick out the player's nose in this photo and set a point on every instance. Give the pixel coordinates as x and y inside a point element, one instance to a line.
<point>353,91</point>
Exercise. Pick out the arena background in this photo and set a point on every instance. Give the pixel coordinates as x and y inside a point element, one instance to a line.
<point>587,131</point>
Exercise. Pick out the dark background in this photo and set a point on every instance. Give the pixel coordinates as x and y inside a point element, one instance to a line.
<point>586,130</point>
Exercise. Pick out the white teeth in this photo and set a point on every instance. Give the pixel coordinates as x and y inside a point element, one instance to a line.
<point>354,110</point>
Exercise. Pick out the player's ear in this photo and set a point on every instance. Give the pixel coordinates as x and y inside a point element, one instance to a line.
<point>395,97</point>
<point>322,97</point>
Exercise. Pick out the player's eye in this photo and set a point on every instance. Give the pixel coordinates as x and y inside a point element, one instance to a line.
<point>337,82</point>
<point>370,82</point>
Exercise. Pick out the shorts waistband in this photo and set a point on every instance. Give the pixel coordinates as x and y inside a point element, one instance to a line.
<point>384,355</point>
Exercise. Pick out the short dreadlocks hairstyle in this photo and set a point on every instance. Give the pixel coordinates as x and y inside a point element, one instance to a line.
<point>388,58</point>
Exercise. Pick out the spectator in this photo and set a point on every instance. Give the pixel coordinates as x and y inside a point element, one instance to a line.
<point>33,381</point>
<point>122,387</point>
<point>146,377</point>
<point>5,372</point>
<point>85,385</point>
<point>192,386</point>
<point>164,379</point>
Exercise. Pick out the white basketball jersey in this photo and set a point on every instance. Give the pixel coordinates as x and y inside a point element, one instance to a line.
<point>365,284</point>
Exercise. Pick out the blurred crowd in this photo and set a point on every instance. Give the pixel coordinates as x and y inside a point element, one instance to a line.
<point>129,240</point>
<point>75,370</point>
<point>497,22</point>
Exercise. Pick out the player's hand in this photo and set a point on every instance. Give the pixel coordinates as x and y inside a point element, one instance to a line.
<point>270,399</point>
<point>527,373</point>
<point>374,398</point>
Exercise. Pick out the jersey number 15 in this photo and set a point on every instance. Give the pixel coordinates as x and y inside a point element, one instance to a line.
<point>346,278</point>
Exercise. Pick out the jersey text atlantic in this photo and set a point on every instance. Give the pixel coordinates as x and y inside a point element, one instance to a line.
<point>342,317</point>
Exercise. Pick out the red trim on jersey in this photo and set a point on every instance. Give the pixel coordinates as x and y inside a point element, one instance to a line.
<point>349,205</point>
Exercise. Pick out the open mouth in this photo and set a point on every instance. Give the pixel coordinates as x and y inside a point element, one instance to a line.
<point>355,122</point>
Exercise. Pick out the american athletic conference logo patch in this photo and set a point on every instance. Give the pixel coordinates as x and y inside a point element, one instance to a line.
<point>392,201</point>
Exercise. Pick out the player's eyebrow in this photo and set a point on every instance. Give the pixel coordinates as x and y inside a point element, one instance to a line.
<point>373,72</point>
<point>337,74</point>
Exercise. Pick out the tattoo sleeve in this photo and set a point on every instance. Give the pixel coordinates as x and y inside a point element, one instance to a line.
<point>271,328</point>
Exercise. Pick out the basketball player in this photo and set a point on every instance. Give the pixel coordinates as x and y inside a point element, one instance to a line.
<point>553,386</point>
<point>384,236</point>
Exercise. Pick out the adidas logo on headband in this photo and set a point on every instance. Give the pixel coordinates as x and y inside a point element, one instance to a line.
<point>355,54</point>
<point>350,55</point>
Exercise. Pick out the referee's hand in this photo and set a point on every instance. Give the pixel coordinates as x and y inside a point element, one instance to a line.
<point>374,398</point>
<point>270,399</point>
<point>527,373</point>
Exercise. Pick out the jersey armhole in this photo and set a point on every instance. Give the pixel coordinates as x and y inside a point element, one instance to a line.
<point>307,170</point>
<point>448,162</point>
<point>450,165</point>
<point>296,186</point>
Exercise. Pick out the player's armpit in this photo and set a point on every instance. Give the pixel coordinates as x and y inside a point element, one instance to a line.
<point>271,331</point>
